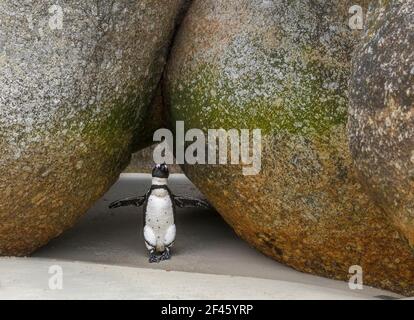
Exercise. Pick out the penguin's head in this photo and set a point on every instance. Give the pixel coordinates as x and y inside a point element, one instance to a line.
<point>160,171</point>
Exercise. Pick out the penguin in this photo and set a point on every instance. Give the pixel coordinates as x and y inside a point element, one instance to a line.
<point>159,213</point>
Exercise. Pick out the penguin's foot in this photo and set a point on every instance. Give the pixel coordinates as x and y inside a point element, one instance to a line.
<point>154,258</point>
<point>166,255</point>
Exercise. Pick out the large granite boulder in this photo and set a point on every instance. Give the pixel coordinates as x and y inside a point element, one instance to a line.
<point>381,121</point>
<point>76,80</point>
<point>284,67</point>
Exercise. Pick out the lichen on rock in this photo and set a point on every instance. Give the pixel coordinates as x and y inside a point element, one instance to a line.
<point>284,67</point>
<point>76,80</point>
<point>381,121</point>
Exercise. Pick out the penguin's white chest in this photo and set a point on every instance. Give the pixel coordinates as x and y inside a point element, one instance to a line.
<point>159,220</point>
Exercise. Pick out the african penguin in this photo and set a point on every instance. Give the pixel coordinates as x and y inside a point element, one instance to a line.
<point>159,213</point>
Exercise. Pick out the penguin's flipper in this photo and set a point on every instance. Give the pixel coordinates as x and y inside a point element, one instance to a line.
<point>135,201</point>
<point>186,202</point>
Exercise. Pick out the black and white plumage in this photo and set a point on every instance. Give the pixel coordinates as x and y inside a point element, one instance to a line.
<point>159,213</point>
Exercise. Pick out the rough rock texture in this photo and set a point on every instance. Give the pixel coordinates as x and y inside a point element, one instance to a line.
<point>75,82</point>
<point>143,162</point>
<point>156,117</point>
<point>284,66</point>
<point>381,121</point>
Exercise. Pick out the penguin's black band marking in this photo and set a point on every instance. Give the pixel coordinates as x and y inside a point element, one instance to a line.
<point>184,202</point>
<point>168,246</point>
<point>149,244</point>
<point>162,186</point>
<point>152,188</point>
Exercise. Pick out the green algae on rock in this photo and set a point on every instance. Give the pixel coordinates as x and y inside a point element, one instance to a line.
<point>381,120</point>
<point>76,80</point>
<point>284,67</point>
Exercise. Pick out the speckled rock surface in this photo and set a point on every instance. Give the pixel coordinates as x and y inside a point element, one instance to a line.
<point>381,123</point>
<point>284,67</point>
<point>75,82</point>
